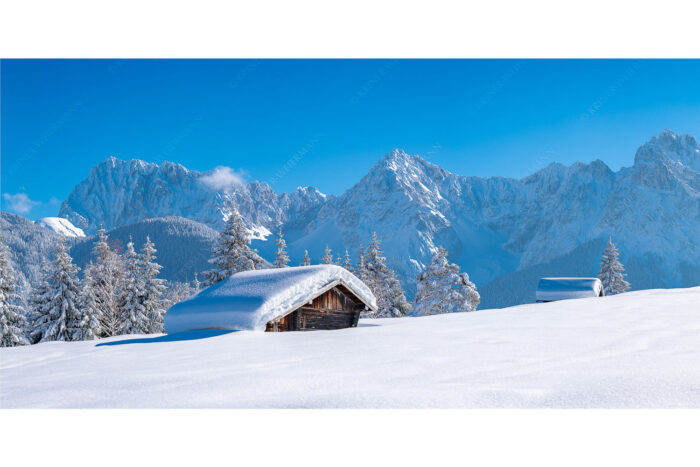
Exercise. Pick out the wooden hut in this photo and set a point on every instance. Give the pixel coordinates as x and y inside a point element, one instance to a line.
<point>301,298</point>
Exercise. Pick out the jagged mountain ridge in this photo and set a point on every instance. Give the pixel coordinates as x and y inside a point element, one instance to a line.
<point>490,226</point>
<point>118,192</point>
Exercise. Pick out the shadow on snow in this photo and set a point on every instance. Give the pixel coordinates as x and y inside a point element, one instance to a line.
<point>180,336</point>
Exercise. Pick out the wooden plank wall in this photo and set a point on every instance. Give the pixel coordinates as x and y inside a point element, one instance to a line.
<point>334,299</point>
<point>333,309</point>
<point>309,319</point>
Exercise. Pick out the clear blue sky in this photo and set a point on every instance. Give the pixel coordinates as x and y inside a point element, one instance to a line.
<point>337,117</point>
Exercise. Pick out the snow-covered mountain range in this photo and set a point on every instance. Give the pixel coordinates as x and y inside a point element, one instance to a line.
<point>118,192</point>
<point>497,229</point>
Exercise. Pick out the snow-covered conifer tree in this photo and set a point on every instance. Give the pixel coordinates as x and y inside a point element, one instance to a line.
<point>347,262</point>
<point>195,284</point>
<point>64,321</point>
<point>107,274</point>
<point>88,307</point>
<point>131,295</point>
<point>281,258</point>
<point>307,259</point>
<point>443,289</point>
<point>38,301</point>
<point>327,256</point>
<point>361,270</point>
<point>612,272</point>
<point>152,288</point>
<point>232,253</point>
<point>175,292</point>
<point>396,303</point>
<point>12,314</point>
<point>382,281</point>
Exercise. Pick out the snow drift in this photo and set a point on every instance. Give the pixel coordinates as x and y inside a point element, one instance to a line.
<point>248,300</point>
<point>562,288</point>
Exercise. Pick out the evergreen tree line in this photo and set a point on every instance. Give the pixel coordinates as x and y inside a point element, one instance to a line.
<point>441,288</point>
<point>121,294</point>
<point>118,294</point>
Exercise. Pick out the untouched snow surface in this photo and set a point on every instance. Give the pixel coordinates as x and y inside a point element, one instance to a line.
<point>249,300</point>
<point>639,349</point>
<point>61,226</point>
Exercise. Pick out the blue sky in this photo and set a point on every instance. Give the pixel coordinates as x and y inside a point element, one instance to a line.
<point>335,118</point>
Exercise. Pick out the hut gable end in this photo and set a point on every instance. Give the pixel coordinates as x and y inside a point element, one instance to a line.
<point>336,299</point>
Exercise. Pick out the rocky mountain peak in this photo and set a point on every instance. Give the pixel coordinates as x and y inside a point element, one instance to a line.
<point>670,146</point>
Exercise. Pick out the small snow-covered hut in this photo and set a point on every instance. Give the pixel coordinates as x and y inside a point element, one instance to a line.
<point>285,299</point>
<point>550,289</point>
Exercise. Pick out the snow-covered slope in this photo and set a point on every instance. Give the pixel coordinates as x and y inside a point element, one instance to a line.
<point>61,226</point>
<point>184,246</point>
<point>29,244</point>
<point>494,228</point>
<point>639,349</point>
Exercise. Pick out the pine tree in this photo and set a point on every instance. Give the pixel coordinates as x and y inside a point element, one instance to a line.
<point>307,259</point>
<point>175,292</point>
<point>612,272</point>
<point>232,253</point>
<point>396,304</point>
<point>281,258</point>
<point>133,313</point>
<point>443,289</point>
<point>382,281</point>
<point>327,256</point>
<point>195,284</point>
<point>64,321</point>
<point>12,314</point>
<point>39,300</point>
<point>347,262</point>
<point>88,306</point>
<point>361,270</point>
<point>107,274</point>
<point>153,288</point>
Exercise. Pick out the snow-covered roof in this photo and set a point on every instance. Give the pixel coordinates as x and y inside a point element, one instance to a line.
<point>564,288</point>
<point>249,300</point>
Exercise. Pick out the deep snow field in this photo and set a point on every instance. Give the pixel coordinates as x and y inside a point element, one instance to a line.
<point>640,349</point>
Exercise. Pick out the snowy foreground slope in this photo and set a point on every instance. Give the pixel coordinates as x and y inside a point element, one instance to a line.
<point>640,349</point>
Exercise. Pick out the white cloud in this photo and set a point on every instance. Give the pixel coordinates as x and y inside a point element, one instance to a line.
<point>222,178</point>
<point>19,203</point>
